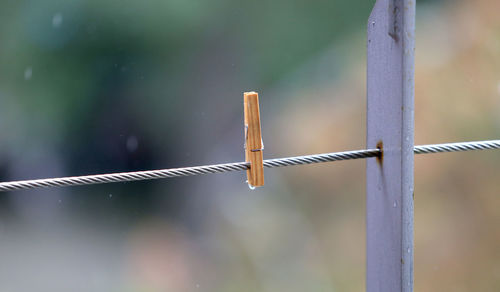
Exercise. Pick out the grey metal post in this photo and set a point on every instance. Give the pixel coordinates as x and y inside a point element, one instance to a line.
<point>390,125</point>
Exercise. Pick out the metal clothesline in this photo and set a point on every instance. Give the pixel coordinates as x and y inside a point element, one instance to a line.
<point>237,166</point>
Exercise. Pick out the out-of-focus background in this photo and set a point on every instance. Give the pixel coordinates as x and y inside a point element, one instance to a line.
<point>98,86</point>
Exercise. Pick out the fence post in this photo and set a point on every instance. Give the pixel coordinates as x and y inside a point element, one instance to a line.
<point>390,126</point>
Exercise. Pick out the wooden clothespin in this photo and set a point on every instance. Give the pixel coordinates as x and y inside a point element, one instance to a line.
<point>253,140</point>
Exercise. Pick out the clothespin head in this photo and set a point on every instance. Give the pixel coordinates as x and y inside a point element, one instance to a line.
<point>253,140</point>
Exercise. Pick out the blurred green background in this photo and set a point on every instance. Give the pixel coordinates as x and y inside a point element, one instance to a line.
<point>102,86</point>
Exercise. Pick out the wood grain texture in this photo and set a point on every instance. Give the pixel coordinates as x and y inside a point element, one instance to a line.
<point>253,137</point>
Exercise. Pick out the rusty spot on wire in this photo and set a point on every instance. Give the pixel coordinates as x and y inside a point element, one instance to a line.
<point>380,156</point>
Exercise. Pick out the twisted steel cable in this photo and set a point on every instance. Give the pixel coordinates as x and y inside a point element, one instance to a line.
<point>456,147</point>
<point>237,166</point>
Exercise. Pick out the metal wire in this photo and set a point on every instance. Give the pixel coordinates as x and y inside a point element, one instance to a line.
<point>457,147</point>
<point>238,166</point>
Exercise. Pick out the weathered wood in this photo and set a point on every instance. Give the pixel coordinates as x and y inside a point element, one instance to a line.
<point>253,140</point>
<point>390,126</point>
